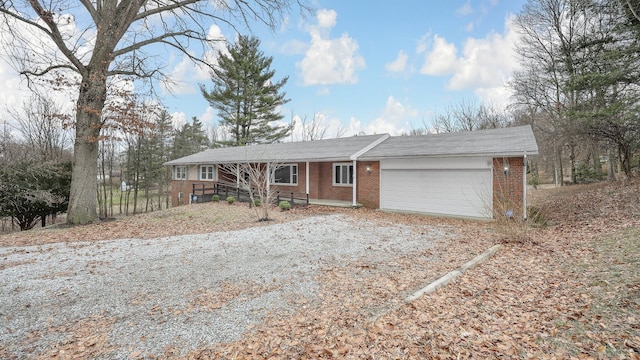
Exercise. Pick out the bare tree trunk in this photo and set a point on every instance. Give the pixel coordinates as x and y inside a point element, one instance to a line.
<point>84,175</point>
<point>611,163</point>
<point>572,158</point>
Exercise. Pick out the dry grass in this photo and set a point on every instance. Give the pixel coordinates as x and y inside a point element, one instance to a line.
<point>571,292</point>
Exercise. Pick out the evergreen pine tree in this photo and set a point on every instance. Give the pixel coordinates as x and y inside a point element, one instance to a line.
<point>245,95</point>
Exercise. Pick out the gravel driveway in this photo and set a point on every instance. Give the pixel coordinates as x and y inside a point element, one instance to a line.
<point>140,297</point>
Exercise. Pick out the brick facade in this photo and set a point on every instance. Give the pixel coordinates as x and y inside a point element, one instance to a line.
<point>368,184</point>
<point>508,188</point>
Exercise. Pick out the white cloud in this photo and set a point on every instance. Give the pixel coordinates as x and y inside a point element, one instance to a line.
<point>330,61</point>
<point>399,64</point>
<point>178,119</point>
<point>209,116</point>
<point>465,9</point>
<point>485,64</point>
<point>327,18</point>
<point>186,73</point>
<point>442,59</point>
<point>394,120</point>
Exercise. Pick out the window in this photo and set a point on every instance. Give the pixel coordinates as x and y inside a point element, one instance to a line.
<point>343,174</point>
<point>286,175</point>
<point>207,172</point>
<point>180,173</point>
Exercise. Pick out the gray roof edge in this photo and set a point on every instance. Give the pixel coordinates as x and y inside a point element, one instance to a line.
<point>370,146</point>
<point>496,154</point>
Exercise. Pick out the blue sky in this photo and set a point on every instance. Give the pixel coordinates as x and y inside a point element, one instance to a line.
<point>366,66</point>
<point>383,67</point>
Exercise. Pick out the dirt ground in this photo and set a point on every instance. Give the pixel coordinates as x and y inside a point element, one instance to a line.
<point>566,286</point>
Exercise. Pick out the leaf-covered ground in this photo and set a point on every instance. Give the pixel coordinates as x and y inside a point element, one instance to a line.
<point>567,290</point>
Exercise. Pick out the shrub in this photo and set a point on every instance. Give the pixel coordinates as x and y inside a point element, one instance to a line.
<point>586,174</point>
<point>284,205</point>
<point>231,200</point>
<point>215,198</point>
<point>256,202</point>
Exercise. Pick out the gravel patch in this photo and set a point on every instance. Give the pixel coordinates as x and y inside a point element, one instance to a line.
<point>181,292</point>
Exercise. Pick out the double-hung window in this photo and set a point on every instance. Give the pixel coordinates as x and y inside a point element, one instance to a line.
<point>342,174</point>
<point>207,172</point>
<point>286,175</point>
<point>180,172</point>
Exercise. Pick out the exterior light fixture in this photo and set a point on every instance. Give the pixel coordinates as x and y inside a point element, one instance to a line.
<point>505,167</point>
<point>368,169</point>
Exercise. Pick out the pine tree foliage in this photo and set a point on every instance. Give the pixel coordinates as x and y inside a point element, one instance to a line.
<point>189,139</point>
<point>245,96</point>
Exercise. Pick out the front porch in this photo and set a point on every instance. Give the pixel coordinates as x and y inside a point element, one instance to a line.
<point>333,203</point>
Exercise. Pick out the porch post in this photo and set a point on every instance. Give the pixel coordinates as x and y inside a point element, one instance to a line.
<point>306,178</point>
<point>268,174</point>
<point>238,176</point>
<point>355,171</point>
<point>524,186</point>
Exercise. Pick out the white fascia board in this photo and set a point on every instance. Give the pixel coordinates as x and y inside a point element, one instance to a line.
<point>370,146</point>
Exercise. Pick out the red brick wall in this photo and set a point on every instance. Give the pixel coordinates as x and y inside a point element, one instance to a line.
<point>368,184</point>
<point>185,187</point>
<point>299,190</point>
<point>326,189</point>
<point>507,189</point>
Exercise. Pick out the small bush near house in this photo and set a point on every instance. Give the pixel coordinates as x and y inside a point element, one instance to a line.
<point>284,205</point>
<point>231,200</point>
<point>216,198</point>
<point>256,202</point>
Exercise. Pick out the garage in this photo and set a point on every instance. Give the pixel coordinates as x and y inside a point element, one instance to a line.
<point>443,186</point>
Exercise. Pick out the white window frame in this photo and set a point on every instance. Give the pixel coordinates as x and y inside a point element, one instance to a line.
<point>293,175</point>
<point>180,172</point>
<point>342,166</point>
<point>214,173</point>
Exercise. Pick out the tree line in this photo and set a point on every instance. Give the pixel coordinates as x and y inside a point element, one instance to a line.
<point>577,87</point>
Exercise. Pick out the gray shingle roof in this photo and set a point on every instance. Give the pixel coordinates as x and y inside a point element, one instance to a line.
<point>339,149</point>
<point>513,141</point>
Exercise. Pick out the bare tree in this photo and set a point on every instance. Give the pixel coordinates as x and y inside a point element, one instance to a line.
<point>469,116</point>
<point>118,39</point>
<point>316,129</point>
<point>256,178</point>
<point>44,127</point>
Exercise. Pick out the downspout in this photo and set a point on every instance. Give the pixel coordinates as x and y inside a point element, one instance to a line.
<point>524,186</point>
<point>355,177</point>
<point>237,175</point>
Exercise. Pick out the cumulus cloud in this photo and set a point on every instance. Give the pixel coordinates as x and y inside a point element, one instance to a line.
<point>442,59</point>
<point>186,73</point>
<point>399,64</point>
<point>394,120</point>
<point>329,60</point>
<point>485,64</point>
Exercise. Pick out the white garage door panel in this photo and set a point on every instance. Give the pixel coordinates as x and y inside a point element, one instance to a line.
<point>449,192</point>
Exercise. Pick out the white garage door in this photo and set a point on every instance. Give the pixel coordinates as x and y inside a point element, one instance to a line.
<point>457,192</point>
